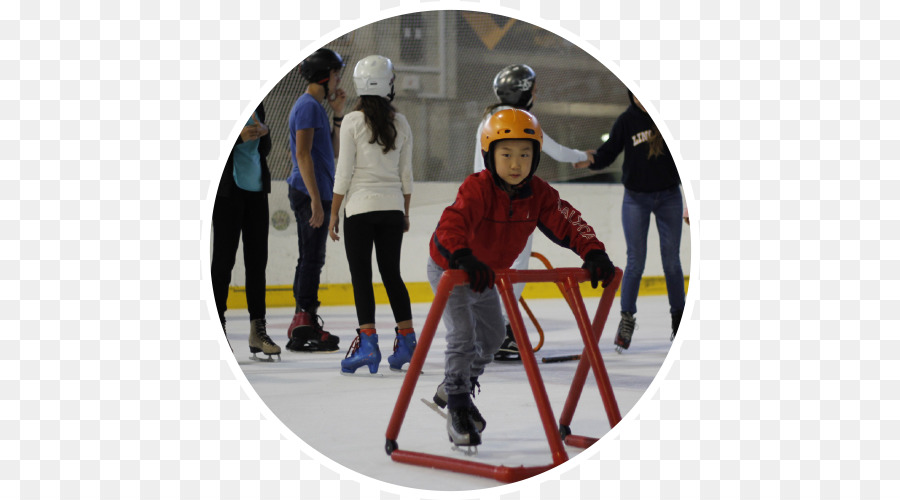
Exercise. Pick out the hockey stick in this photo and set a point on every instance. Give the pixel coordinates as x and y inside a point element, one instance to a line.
<point>558,359</point>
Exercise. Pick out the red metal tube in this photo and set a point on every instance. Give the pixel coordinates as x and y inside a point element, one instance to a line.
<point>584,364</point>
<point>567,279</point>
<point>423,344</point>
<point>531,370</point>
<point>580,441</point>
<point>500,473</point>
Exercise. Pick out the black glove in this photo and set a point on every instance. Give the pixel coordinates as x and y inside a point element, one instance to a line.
<point>599,267</point>
<point>480,275</point>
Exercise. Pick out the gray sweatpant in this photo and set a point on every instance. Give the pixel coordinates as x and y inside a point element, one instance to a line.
<point>475,330</point>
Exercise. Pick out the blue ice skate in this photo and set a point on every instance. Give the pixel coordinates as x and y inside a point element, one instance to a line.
<point>363,351</point>
<point>404,346</point>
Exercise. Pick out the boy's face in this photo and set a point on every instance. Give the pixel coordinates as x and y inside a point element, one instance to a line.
<point>512,159</point>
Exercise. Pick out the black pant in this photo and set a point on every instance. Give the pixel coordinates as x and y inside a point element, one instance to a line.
<point>311,249</point>
<point>384,231</point>
<point>244,213</point>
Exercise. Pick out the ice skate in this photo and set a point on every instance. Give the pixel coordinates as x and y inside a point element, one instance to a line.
<point>363,352</point>
<point>509,350</point>
<point>440,396</point>
<point>676,322</point>
<point>260,341</point>
<point>404,346</point>
<point>306,334</point>
<point>440,402</point>
<point>625,331</point>
<point>461,428</point>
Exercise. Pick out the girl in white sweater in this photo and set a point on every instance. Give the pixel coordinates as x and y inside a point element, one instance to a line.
<point>373,180</point>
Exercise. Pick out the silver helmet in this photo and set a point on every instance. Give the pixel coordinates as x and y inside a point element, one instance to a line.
<point>374,75</point>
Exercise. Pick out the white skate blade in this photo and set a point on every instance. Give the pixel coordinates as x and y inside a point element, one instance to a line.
<point>312,352</point>
<point>404,370</point>
<point>468,450</point>
<point>435,407</point>
<point>363,373</point>
<point>270,359</point>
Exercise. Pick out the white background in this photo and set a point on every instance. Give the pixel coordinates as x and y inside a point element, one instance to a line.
<point>114,121</point>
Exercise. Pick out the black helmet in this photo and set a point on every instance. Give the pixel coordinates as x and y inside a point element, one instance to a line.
<point>317,67</point>
<point>513,85</point>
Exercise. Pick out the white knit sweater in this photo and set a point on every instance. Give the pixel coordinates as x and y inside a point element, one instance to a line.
<point>369,179</point>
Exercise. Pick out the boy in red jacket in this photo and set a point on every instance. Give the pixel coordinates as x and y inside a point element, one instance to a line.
<point>485,229</point>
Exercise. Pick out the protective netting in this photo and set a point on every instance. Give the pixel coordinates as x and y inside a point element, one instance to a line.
<point>445,62</point>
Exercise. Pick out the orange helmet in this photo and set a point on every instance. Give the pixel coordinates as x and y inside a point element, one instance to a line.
<point>511,124</point>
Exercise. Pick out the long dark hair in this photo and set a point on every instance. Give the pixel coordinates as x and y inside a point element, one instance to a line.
<point>379,113</point>
<point>656,142</point>
<point>488,111</point>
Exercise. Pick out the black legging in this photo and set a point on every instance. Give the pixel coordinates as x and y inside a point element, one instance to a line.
<point>244,215</point>
<point>384,231</point>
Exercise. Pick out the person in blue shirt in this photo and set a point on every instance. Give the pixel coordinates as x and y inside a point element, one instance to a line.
<point>314,145</point>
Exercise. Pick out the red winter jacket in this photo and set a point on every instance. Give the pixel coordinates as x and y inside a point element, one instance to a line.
<point>496,227</point>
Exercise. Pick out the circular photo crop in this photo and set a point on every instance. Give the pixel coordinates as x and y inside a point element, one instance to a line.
<point>450,250</point>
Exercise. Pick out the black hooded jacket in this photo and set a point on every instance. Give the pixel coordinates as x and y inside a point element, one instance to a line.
<point>631,132</point>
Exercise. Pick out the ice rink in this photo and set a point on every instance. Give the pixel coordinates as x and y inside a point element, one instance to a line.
<point>345,416</point>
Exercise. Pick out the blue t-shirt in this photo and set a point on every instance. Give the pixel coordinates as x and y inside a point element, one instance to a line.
<point>309,113</point>
<point>247,168</point>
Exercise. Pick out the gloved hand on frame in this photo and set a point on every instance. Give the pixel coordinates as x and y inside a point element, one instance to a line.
<point>481,276</point>
<point>600,267</point>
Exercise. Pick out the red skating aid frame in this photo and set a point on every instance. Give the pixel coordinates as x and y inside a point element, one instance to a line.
<point>567,279</point>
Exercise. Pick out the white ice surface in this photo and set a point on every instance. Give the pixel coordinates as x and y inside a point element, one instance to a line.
<point>345,417</point>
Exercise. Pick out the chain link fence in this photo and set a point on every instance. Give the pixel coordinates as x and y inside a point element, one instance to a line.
<point>445,62</point>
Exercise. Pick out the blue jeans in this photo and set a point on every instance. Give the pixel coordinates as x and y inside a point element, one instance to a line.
<point>636,209</point>
<point>311,245</point>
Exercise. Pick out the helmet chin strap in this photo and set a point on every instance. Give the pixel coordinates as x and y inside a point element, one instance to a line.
<point>390,97</point>
<point>324,84</point>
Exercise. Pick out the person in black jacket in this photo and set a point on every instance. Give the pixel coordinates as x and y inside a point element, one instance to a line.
<point>242,210</point>
<point>652,186</point>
